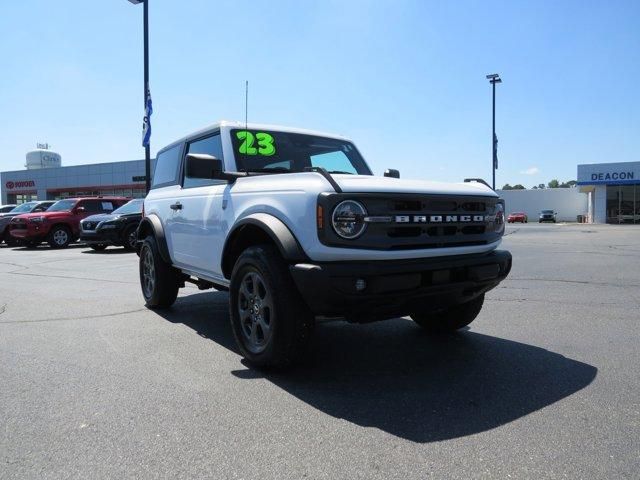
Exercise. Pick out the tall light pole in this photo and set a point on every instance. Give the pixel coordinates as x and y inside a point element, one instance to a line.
<point>147,94</point>
<point>493,79</point>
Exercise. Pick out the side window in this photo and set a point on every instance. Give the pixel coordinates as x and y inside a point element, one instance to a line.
<point>90,206</point>
<point>211,146</point>
<point>166,171</point>
<point>106,206</point>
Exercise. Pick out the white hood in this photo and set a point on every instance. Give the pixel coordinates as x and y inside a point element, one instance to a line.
<point>315,182</point>
<point>368,183</point>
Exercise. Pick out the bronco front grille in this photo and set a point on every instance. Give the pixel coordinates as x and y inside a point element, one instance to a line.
<point>402,221</point>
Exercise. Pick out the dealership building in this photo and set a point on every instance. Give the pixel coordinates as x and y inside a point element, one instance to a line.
<point>613,191</point>
<point>605,193</point>
<point>45,179</point>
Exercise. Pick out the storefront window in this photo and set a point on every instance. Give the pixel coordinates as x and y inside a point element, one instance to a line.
<point>623,204</point>
<point>19,199</point>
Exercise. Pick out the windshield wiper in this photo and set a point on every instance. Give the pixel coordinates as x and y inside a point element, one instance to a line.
<point>341,172</point>
<point>270,170</point>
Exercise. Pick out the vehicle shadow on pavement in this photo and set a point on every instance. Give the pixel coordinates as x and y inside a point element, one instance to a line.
<point>393,376</point>
<point>108,251</point>
<point>43,247</point>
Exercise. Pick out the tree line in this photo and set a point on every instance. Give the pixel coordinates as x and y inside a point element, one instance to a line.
<point>552,184</point>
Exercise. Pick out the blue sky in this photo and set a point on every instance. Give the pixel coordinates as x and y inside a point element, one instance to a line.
<point>404,79</point>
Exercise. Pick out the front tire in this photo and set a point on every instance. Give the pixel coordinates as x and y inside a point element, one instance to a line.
<point>10,241</point>
<point>129,238</point>
<point>59,237</point>
<point>160,282</point>
<point>271,323</point>
<point>450,319</point>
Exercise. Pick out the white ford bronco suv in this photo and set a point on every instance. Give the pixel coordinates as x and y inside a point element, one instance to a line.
<point>296,227</point>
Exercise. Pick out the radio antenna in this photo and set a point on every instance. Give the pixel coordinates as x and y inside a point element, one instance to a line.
<point>246,104</point>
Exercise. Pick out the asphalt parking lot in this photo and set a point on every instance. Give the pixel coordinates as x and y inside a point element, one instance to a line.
<point>545,383</point>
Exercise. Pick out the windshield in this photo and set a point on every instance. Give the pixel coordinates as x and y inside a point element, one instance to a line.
<point>284,152</point>
<point>547,211</point>
<point>25,207</point>
<point>62,206</point>
<point>134,206</point>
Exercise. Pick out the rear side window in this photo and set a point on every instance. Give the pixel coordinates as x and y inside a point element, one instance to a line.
<point>211,146</point>
<point>107,206</point>
<point>97,206</point>
<point>167,164</point>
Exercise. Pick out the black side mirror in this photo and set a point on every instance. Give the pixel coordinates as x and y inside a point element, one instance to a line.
<point>200,165</point>
<point>392,172</point>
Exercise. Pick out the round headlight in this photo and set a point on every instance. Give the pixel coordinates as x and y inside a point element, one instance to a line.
<point>348,219</point>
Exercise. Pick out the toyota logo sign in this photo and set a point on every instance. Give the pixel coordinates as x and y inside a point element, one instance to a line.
<point>22,184</point>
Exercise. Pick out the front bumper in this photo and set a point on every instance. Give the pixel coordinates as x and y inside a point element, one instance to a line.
<point>397,288</point>
<point>32,232</point>
<point>101,237</point>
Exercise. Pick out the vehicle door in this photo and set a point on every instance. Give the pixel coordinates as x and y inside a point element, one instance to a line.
<point>196,223</point>
<point>82,210</point>
<point>163,198</point>
<point>85,208</point>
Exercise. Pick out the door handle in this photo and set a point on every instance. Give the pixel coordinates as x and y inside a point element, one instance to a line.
<point>176,206</point>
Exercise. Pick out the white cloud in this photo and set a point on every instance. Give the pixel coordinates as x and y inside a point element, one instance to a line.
<point>531,171</point>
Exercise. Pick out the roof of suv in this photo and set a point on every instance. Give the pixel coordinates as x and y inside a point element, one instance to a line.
<point>253,126</point>
<point>96,198</point>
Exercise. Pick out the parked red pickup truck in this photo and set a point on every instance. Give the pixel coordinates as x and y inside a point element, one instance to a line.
<point>60,224</point>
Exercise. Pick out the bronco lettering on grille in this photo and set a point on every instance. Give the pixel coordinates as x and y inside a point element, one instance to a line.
<point>438,218</point>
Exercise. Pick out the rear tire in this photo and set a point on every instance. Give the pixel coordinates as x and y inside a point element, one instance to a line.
<point>98,248</point>
<point>59,237</point>
<point>159,280</point>
<point>450,319</point>
<point>271,323</point>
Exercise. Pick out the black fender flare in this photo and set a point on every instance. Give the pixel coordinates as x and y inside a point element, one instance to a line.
<point>151,224</point>
<point>275,228</point>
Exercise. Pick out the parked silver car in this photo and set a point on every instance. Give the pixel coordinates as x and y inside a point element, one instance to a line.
<point>547,216</point>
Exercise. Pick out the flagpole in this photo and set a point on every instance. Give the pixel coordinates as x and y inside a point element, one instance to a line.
<point>493,79</point>
<point>147,148</point>
<point>493,138</point>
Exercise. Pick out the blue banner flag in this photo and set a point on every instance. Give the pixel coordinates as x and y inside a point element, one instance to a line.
<point>495,151</point>
<point>146,123</point>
